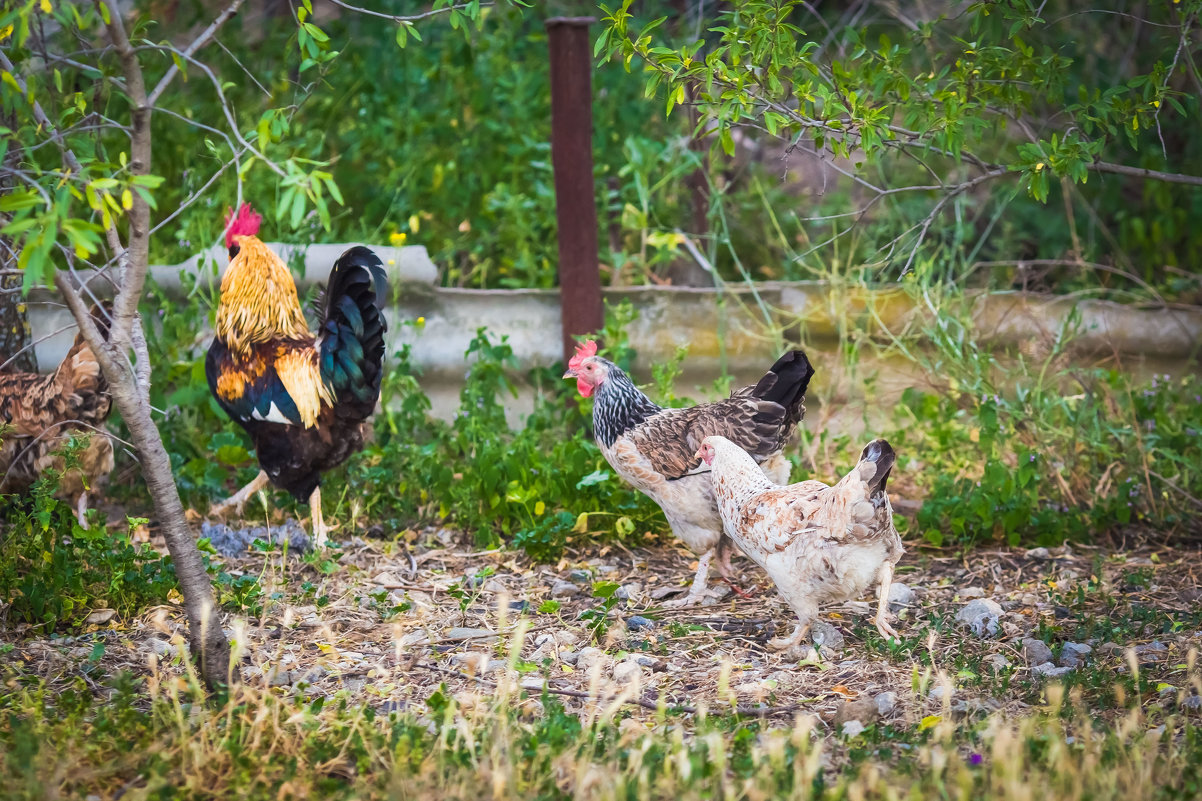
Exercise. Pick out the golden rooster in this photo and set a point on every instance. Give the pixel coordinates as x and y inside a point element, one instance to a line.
<point>302,397</point>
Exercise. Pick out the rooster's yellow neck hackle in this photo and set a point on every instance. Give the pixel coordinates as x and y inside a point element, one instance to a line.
<point>258,299</point>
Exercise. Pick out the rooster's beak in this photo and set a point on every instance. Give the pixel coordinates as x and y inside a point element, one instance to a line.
<point>570,374</point>
<point>698,455</point>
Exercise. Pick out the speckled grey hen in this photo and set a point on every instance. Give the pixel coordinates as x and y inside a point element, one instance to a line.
<point>819,544</point>
<point>652,448</point>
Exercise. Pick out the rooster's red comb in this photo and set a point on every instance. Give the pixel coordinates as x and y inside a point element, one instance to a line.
<point>583,351</point>
<point>245,224</point>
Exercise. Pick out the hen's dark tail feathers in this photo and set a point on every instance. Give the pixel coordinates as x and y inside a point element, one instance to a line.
<point>352,332</point>
<point>786,384</point>
<point>881,455</point>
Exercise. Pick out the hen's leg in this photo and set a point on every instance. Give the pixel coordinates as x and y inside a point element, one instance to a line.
<point>236,501</point>
<point>699,582</point>
<point>806,611</point>
<point>320,532</point>
<point>725,548</point>
<point>81,509</point>
<point>882,609</point>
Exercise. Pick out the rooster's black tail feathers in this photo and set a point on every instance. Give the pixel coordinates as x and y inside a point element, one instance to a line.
<point>786,384</point>
<point>352,331</point>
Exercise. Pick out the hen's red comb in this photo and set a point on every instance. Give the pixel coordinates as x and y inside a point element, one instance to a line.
<point>583,351</point>
<point>245,224</point>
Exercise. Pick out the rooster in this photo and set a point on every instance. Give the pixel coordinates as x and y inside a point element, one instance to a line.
<point>817,543</point>
<point>40,415</point>
<point>652,448</point>
<point>302,397</point>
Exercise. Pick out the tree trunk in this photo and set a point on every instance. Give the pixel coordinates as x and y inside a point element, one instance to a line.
<point>14,327</point>
<point>204,623</point>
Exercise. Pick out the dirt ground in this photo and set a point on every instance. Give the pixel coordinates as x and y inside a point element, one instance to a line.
<point>394,620</point>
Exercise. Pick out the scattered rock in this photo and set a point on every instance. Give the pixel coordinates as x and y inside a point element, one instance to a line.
<point>162,648</point>
<point>628,591</point>
<point>100,616</point>
<point>885,703</point>
<point>235,542</point>
<point>493,586</point>
<point>852,728</point>
<point>418,637</point>
<point>1029,599</point>
<point>629,670</point>
<point>1192,702</point>
<point>863,710</point>
<point>568,657</point>
<point>588,657</point>
<point>900,596</point>
<point>969,593</point>
<point>981,616</point>
<point>564,589</point>
<point>826,636</point>
<point>1048,670</point>
<point>519,606</point>
<point>997,662</point>
<point>1107,648</point>
<point>936,692</point>
<point>1042,554</point>
<point>1037,652</point>
<point>478,635</point>
<point>1153,648</point>
<point>639,623</point>
<point>580,577</point>
<point>1074,654</point>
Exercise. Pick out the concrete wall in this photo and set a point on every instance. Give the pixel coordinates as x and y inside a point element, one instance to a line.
<point>740,329</point>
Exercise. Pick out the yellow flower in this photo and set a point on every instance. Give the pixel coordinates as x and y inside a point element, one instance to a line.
<point>6,32</point>
<point>46,9</point>
<point>397,238</point>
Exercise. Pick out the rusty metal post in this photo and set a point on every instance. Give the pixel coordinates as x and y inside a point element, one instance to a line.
<point>572,159</point>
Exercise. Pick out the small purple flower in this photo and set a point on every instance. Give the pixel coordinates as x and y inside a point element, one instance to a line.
<point>975,759</point>
<point>1032,457</point>
<point>1150,424</point>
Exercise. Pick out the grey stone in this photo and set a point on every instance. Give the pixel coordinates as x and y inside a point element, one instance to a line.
<point>1050,671</point>
<point>936,692</point>
<point>628,591</point>
<point>885,703</point>
<point>1036,651</point>
<point>1192,702</point>
<point>478,635</point>
<point>639,623</point>
<point>853,728</point>
<point>863,710</point>
<point>826,636</point>
<point>1154,647</point>
<point>997,662</point>
<point>569,657</point>
<point>969,593</point>
<point>900,596</point>
<point>564,589</point>
<point>1074,654</point>
<point>629,670</point>
<point>981,617</point>
<point>580,577</point>
<point>1041,554</point>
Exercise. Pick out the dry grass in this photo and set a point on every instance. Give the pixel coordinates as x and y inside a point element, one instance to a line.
<point>348,693</point>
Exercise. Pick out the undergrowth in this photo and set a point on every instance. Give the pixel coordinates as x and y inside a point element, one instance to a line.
<point>158,740</point>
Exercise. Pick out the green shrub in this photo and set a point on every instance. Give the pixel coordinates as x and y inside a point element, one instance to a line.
<point>53,571</point>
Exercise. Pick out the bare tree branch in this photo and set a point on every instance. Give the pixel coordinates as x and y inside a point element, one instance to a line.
<point>200,41</point>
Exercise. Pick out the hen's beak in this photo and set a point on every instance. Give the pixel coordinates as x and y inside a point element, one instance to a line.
<point>570,374</point>
<point>698,455</point>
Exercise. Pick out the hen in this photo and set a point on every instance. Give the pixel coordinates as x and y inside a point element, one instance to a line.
<point>41,414</point>
<point>653,448</point>
<point>303,398</point>
<point>817,543</point>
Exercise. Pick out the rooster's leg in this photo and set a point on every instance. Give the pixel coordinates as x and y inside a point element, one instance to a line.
<point>882,609</point>
<point>81,509</point>
<point>805,608</point>
<point>320,532</point>
<point>239,498</point>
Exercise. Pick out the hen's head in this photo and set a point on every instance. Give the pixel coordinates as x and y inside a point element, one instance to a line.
<point>589,369</point>
<point>716,447</point>
<point>245,223</point>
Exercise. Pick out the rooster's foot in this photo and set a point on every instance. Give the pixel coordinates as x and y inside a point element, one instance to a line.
<point>785,643</point>
<point>238,500</point>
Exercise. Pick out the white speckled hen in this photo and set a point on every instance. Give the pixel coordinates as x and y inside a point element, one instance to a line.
<point>818,544</point>
<point>652,448</point>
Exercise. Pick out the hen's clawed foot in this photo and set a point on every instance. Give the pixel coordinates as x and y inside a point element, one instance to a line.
<point>739,591</point>
<point>785,643</point>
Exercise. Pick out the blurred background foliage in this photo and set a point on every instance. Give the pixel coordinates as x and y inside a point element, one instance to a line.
<point>446,141</point>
